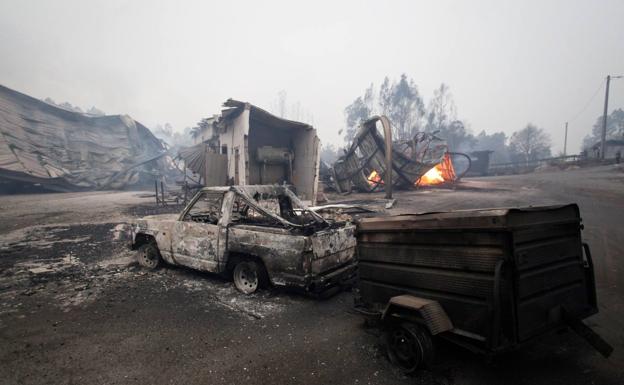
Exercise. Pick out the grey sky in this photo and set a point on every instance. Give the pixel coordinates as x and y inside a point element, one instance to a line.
<point>507,62</point>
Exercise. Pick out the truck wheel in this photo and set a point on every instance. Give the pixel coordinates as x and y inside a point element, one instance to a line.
<point>149,256</point>
<point>249,276</point>
<point>409,346</point>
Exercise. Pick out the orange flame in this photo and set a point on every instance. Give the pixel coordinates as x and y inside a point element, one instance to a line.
<point>374,178</point>
<point>433,176</point>
<point>440,173</point>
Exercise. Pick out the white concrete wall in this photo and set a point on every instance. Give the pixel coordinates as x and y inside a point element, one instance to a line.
<point>306,164</point>
<point>233,137</point>
<point>204,135</point>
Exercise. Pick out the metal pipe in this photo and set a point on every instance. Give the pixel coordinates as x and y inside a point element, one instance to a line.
<point>162,193</point>
<point>385,122</point>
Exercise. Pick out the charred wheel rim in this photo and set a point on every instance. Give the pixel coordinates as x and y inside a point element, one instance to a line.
<point>404,348</point>
<point>149,257</point>
<point>246,277</point>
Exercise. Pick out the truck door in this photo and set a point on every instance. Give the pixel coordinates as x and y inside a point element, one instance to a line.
<point>196,239</point>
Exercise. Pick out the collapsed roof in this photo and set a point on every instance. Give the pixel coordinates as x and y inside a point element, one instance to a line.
<point>257,114</point>
<point>68,151</point>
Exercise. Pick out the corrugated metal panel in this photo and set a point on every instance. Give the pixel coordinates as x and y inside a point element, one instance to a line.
<point>455,268</point>
<point>59,147</point>
<point>550,276</point>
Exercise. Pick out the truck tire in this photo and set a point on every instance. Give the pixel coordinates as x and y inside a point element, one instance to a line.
<point>148,256</point>
<point>409,346</point>
<point>249,276</point>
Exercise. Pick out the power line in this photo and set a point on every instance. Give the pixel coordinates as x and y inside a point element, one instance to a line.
<point>588,102</point>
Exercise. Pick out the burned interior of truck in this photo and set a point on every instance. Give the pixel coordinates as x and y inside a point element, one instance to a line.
<point>262,209</point>
<point>244,213</point>
<point>206,209</point>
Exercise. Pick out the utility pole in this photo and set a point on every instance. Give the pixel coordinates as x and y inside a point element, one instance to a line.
<point>604,120</point>
<point>565,141</point>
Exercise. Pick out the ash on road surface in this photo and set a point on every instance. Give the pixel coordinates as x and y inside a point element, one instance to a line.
<point>76,308</point>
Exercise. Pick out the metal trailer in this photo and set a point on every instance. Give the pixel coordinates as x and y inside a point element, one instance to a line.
<point>489,280</point>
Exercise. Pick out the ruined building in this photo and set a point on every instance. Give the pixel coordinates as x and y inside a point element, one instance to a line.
<point>246,145</point>
<point>60,150</point>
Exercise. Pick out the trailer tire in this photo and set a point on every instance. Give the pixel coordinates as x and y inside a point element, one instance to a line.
<point>409,346</point>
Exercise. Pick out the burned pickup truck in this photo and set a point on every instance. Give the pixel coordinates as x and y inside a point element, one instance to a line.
<point>258,235</point>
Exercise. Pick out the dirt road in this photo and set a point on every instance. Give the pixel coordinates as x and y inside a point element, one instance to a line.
<point>75,308</point>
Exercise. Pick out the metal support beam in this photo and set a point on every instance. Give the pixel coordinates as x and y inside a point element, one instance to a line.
<point>385,122</point>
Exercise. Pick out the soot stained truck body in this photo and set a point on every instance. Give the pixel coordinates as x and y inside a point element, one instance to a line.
<point>259,234</point>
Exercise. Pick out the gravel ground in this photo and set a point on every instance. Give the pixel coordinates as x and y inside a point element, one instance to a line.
<point>76,308</point>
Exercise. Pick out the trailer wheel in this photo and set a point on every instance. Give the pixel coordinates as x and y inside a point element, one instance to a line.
<point>409,346</point>
<point>148,255</point>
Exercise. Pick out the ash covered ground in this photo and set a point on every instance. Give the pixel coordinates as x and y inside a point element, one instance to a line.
<point>76,308</point>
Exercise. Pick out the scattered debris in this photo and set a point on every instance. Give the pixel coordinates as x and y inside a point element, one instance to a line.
<point>340,212</point>
<point>45,267</point>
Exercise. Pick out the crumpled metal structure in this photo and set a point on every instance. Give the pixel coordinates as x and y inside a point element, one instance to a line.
<point>195,157</point>
<point>68,151</point>
<point>363,167</point>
